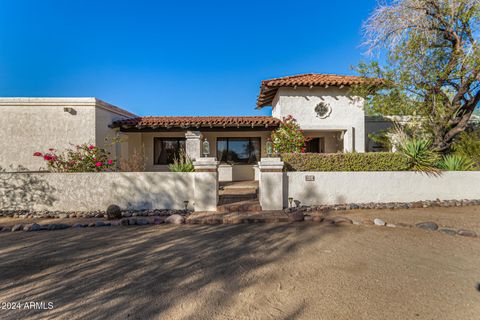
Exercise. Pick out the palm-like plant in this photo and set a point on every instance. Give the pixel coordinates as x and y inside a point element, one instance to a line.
<point>420,154</point>
<point>455,162</point>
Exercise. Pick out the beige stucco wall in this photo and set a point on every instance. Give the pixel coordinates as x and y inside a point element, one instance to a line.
<point>37,124</point>
<point>347,112</point>
<point>95,191</point>
<point>362,187</point>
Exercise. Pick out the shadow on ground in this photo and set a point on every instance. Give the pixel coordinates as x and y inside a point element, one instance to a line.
<point>143,273</point>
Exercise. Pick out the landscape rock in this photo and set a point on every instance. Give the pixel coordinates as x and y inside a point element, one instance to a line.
<point>79,225</point>
<point>390,225</point>
<point>175,219</point>
<point>450,232</point>
<point>308,218</point>
<point>17,227</point>
<point>124,222</point>
<point>378,222</point>
<point>142,221</point>
<point>58,226</point>
<point>113,212</point>
<point>63,215</point>
<point>32,227</point>
<point>158,220</point>
<point>466,233</point>
<point>338,220</point>
<point>427,225</point>
<point>99,224</point>
<point>5,229</point>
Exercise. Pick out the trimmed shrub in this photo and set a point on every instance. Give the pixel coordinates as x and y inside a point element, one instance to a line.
<point>373,161</point>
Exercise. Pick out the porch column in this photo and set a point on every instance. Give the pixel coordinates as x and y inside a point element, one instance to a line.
<point>271,183</point>
<point>193,145</point>
<point>349,140</point>
<point>206,184</point>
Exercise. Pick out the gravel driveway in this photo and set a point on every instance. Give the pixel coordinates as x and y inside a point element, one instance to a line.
<point>269,271</point>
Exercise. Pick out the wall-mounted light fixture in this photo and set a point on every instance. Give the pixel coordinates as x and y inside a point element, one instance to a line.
<point>205,148</point>
<point>70,110</point>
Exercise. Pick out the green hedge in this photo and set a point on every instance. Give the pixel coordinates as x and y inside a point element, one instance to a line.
<point>372,161</point>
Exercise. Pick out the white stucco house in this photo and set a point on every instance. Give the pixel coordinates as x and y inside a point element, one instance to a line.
<point>322,104</point>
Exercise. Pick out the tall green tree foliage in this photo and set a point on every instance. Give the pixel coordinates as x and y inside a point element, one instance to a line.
<point>430,68</point>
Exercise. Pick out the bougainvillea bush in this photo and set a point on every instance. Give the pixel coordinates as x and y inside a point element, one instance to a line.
<point>289,138</point>
<point>80,158</point>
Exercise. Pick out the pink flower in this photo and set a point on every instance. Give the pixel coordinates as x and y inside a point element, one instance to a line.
<point>98,164</point>
<point>37,154</point>
<point>110,161</point>
<point>47,157</point>
<point>91,147</point>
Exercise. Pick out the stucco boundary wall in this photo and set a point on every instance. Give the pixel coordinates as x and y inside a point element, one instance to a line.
<point>95,191</point>
<point>327,188</point>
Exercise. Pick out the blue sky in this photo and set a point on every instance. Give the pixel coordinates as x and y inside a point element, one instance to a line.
<point>176,57</point>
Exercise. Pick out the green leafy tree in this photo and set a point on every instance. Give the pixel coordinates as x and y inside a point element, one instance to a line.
<point>288,138</point>
<point>431,68</point>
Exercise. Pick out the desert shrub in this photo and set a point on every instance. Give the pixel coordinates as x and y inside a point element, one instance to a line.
<point>374,161</point>
<point>468,145</point>
<point>80,158</point>
<point>455,162</point>
<point>420,154</point>
<point>134,163</point>
<point>181,163</point>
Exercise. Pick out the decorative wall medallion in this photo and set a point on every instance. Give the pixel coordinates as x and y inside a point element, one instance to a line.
<point>323,110</point>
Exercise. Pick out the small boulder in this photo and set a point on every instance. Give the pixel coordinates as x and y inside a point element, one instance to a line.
<point>158,220</point>
<point>466,233</point>
<point>124,222</point>
<point>99,224</point>
<point>390,225</point>
<point>79,225</point>
<point>175,219</point>
<point>32,227</point>
<point>63,215</point>
<point>58,226</point>
<point>450,232</point>
<point>142,221</point>
<point>114,212</point>
<point>378,222</point>
<point>17,227</point>
<point>427,225</point>
<point>339,220</point>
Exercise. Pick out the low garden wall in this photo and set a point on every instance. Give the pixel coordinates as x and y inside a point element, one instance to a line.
<point>326,188</point>
<point>95,191</point>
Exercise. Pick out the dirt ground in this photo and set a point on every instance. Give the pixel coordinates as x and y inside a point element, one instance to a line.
<point>248,271</point>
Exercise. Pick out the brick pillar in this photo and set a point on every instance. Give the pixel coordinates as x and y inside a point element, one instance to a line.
<point>206,184</point>
<point>271,183</point>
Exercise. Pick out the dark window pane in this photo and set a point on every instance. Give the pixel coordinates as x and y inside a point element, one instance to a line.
<point>238,150</point>
<point>166,150</point>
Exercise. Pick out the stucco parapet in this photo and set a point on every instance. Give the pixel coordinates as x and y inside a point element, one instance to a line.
<point>270,165</point>
<point>63,102</point>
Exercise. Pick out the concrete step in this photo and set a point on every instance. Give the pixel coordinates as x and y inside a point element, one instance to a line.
<point>248,205</point>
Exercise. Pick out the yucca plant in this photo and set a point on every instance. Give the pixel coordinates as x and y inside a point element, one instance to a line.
<point>420,154</point>
<point>181,163</point>
<point>455,162</point>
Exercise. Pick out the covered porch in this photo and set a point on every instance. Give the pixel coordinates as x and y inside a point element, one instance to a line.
<point>237,143</point>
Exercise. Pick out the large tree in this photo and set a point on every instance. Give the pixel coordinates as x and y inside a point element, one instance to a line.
<point>431,63</point>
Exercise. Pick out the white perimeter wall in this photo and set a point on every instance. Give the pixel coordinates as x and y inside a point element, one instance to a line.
<point>95,191</point>
<point>362,187</point>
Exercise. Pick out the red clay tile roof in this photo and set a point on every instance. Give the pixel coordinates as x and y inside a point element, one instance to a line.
<point>269,88</point>
<point>196,122</point>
